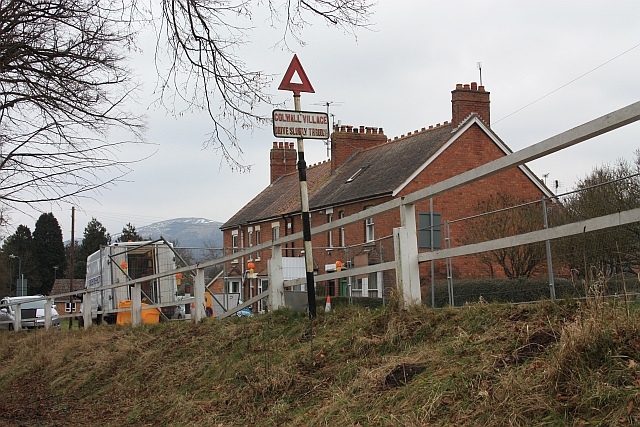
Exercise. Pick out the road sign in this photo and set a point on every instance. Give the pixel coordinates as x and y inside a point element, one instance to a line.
<point>300,124</point>
<point>286,84</point>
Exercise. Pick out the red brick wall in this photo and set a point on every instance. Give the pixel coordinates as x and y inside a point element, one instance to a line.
<point>346,140</point>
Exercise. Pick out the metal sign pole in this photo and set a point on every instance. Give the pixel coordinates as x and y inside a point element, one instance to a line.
<point>306,219</point>
<point>311,125</point>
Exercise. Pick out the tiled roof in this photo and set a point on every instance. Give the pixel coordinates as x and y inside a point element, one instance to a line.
<point>61,286</point>
<point>380,170</point>
<point>281,197</point>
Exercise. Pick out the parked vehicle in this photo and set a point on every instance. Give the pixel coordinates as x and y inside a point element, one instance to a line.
<point>245,312</point>
<point>31,312</point>
<point>121,262</point>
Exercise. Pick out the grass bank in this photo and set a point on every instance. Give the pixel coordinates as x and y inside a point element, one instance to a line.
<point>553,363</point>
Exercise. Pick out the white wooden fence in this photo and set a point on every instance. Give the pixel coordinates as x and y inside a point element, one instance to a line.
<point>407,257</point>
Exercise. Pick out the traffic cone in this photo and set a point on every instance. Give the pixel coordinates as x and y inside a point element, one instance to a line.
<point>327,306</point>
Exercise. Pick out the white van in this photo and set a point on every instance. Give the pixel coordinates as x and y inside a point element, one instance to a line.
<point>31,312</point>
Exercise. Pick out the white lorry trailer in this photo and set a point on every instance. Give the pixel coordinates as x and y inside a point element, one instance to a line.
<point>121,262</point>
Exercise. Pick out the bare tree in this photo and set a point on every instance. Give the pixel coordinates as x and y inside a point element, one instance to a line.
<point>62,87</point>
<point>200,39</point>
<point>507,216</point>
<point>607,189</point>
<point>64,83</point>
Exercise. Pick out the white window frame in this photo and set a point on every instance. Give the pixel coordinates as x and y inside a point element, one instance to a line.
<point>250,241</point>
<point>369,230</point>
<point>263,285</point>
<point>257,229</point>
<point>234,240</point>
<point>275,231</point>
<point>330,232</point>
<point>69,307</point>
<point>343,242</point>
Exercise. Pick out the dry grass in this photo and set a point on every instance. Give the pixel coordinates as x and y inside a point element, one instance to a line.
<point>485,364</point>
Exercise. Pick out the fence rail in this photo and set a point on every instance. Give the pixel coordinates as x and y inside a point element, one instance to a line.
<point>406,257</point>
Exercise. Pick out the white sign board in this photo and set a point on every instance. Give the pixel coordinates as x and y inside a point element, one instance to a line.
<point>300,124</point>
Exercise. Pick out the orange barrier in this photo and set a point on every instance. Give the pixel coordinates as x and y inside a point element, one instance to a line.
<point>149,315</point>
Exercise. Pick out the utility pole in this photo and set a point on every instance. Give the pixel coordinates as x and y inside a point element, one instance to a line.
<point>73,223</point>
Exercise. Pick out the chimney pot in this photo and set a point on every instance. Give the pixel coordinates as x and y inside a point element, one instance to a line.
<point>361,129</point>
<point>380,131</point>
<point>280,144</point>
<point>291,145</point>
<point>467,87</point>
<point>423,129</point>
<point>445,123</point>
<point>459,86</point>
<point>474,86</point>
<point>349,128</point>
<point>430,126</point>
<point>275,144</point>
<point>481,88</point>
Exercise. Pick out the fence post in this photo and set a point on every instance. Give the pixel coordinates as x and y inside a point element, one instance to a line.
<point>405,243</point>
<point>86,309</point>
<point>17,318</point>
<point>552,284</point>
<point>198,312</point>
<point>136,305</point>
<point>276,279</point>
<point>47,314</point>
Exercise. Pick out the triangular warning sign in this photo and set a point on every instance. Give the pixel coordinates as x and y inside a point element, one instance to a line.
<point>296,68</point>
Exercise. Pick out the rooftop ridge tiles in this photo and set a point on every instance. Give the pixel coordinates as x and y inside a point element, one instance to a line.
<point>416,132</point>
<point>466,119</point>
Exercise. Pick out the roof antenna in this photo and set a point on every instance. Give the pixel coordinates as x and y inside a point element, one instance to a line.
<point>480,68</point>
<point>332,117</point>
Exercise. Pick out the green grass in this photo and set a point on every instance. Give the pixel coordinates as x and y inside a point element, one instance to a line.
<point>280,369</point>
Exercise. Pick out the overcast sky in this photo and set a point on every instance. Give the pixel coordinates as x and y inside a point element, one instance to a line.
<point>398,75</point>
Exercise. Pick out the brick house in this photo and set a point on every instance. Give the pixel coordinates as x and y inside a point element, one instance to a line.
<point>367,169</point>
<point>63,305</point>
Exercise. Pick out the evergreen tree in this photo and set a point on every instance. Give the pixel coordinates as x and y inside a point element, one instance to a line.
<point>95,235</point>
<point>48,252</point>
<point>130,234</point>
<point>20,244</point>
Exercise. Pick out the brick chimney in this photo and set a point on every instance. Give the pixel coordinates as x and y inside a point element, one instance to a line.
<point>346,140</point>
<point>283,159</point>
<point>467,99</point>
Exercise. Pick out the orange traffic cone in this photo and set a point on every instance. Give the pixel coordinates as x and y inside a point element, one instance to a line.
<point>327,306</point>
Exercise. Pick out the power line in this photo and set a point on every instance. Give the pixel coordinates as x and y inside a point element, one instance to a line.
<point>567,84</point>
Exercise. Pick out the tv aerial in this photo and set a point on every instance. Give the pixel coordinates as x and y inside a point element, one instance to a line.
<point>329,104</point>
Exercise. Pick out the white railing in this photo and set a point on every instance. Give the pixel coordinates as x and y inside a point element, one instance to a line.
<point>407,258</point>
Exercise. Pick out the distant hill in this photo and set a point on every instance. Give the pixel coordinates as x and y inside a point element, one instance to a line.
<point>189,232</point>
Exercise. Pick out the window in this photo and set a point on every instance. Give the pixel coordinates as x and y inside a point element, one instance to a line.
<point>330,232</point>
<point>342,240</point>
<point>69,307</point>
<point>257,242</point>
<point>234,240</point>
<point>250,240</point>
<point>375,285</point>
<point>424,230</point>
<point>233,287</point>
<point>370,237</point>
<point>357,287</point>
<point>263,285</point>
<point>275,230</point>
